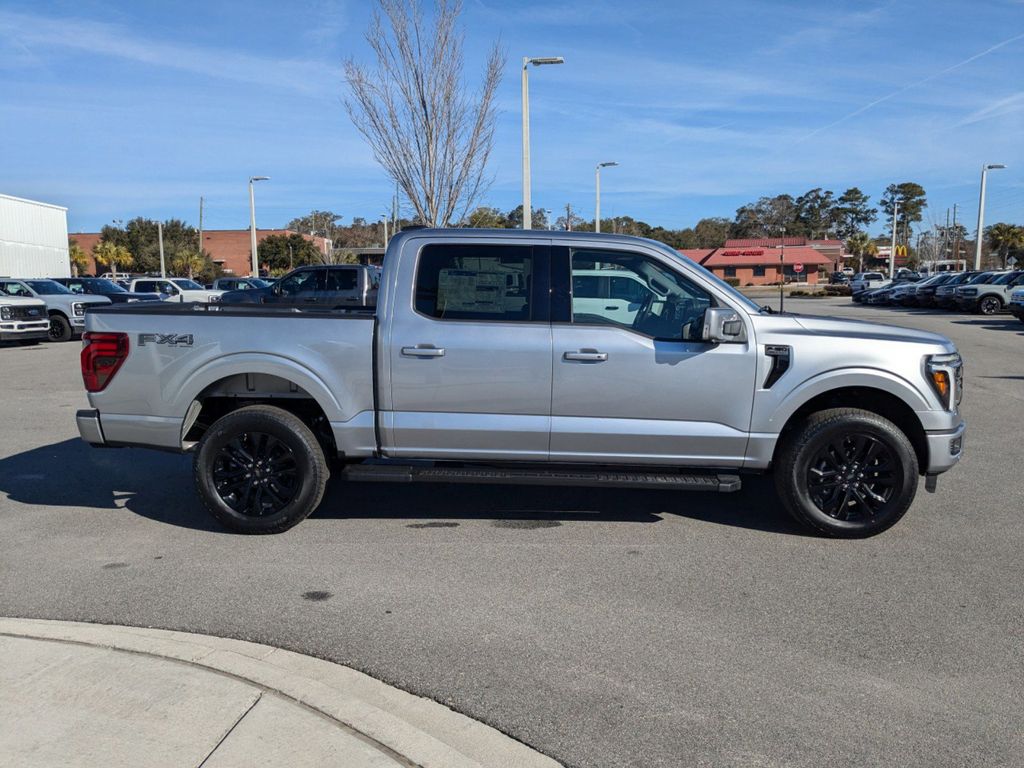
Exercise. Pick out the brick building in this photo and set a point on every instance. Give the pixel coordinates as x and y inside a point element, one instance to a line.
<point>761,265</point>
<point>229,248</point>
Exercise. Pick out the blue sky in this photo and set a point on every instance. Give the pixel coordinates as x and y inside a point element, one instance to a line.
<point>118,109</point>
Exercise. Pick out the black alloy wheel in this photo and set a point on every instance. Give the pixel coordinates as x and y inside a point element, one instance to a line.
<point>260,469</point>
<point>853,477</point>
<point>255,474</point>
<point>846,472</point>
<point>60,328</point>
<point>990,305</point>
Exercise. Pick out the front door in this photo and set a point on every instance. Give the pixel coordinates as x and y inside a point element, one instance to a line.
<point>469,353</point>
<point>641,387</point>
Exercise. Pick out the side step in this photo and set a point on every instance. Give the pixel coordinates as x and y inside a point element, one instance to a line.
<point>605,478</point>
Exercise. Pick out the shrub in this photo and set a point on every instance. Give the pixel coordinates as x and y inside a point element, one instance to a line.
<point>733,281</point>
<point>838,290</point>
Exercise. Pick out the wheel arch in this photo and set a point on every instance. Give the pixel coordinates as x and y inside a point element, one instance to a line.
<point>235,381</point>
<point>867,398</point>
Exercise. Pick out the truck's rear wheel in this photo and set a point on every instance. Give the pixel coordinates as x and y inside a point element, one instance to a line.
<point>260,470</point>
<point>846,472</point>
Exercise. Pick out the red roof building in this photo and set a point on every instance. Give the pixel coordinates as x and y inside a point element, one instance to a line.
<point>761,265</point>
<point>229,248</point>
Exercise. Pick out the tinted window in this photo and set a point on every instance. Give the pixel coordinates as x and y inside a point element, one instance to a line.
<point>586,287</point>
<point>147,286</point>
<point>475,282</point>
<point>188,285</point>
<point>101,286</point>
<point>658,302</point>
<point>304,282</point>
<point>47,287</point>
<point>341,280</point>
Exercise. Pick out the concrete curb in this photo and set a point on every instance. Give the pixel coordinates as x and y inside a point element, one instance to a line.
<point>425,733</point>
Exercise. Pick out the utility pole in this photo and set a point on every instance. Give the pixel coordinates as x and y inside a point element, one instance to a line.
<point>200,226</point>
<point>568,217</point>
<point>160,239</point>
<point>956,241</point>
<point>892,250</point>
<point>782,272</point>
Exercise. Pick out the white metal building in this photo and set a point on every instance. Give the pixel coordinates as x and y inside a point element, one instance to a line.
<point>33,239</point>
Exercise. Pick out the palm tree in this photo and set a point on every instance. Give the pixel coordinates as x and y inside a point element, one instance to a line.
<point>1003,238</point>
<point>78,258</point>
<point>860,245</point>
<point>112,256</point>
<point>188,264</point>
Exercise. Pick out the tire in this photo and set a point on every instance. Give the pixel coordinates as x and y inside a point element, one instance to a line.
<point>60,328</point>
<point>833,444</point>
<point>247,496</point>
<point>990,305</point>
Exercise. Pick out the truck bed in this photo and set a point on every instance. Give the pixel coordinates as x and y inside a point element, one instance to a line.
<point>178,352</point>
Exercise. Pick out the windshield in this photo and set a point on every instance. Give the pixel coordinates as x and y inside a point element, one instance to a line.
<point>103,285</point>
<point>982,277</point>
<point>46,287</point>
<point>1006,278</point>
<point>187,285</point>
<point>257,282</point>
<point>733,293</point>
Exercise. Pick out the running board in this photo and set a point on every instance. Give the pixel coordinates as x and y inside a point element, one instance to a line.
<point>676,481</point>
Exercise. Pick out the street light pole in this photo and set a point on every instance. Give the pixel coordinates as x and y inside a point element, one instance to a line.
<point>597,187</point>
<point>981,211</point>
<point>252,223</point>
<point>527,61</point>
<point>892,249</point>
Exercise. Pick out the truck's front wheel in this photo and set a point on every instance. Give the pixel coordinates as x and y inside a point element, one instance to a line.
<point>260,470</point>
<point>846,472</point>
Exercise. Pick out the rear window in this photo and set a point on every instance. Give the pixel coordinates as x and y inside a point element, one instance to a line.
<point>475,282</point>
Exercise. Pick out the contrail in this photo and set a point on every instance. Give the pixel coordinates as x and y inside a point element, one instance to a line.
<point>905,88</point>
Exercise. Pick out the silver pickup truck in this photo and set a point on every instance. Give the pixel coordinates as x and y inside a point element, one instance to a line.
<point>480,364</point>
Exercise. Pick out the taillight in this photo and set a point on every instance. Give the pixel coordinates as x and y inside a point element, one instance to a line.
<point>102,355</point>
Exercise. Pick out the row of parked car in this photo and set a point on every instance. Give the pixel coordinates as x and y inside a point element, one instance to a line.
<point>32,310</point>
<point>982,292</point>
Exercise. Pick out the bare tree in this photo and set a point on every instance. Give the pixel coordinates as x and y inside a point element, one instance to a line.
<point>432,137</point>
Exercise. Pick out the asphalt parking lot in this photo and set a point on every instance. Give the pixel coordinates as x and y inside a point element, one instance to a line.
<point>605,628</point>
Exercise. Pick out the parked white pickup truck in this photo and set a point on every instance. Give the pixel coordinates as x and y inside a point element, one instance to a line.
<point>480,363</point>
<point>23,319</point>
<point>179,289</point>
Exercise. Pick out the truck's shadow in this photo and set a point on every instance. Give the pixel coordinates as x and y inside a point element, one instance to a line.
<point>158,486</point>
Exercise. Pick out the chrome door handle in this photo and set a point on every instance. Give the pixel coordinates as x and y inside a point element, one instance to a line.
<point>423,351</point>
<point>586,356</point>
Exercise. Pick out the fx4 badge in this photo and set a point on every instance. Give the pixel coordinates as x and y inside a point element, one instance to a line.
<point>170,339</point>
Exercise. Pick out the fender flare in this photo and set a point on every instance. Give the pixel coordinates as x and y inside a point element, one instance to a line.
<point>190,384</point>
<point>843,378</point>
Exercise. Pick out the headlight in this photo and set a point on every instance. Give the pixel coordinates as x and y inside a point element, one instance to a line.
<point>214,298</point>
<point>5,313</point>
<point>945,373</point>
<point>78,308</point>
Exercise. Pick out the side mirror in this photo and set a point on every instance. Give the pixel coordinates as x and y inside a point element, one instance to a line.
<point>723,326</point>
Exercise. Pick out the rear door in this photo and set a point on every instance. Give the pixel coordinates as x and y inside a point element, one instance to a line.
<point>467,352</point>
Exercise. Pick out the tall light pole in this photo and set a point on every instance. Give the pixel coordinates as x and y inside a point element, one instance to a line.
<point>597,188</point>
<point>537,62</point>
<point>252,223</point>
<point>892,249</point>
<point>981,211</point>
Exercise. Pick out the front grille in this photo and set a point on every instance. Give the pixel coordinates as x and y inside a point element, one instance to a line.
<point>28,313</point>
